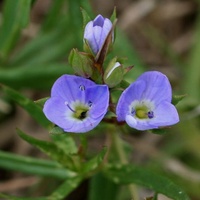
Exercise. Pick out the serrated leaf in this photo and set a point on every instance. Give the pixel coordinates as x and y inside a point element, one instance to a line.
<point>70,161</point>
<point>127,174</point>
<point>34,110</point>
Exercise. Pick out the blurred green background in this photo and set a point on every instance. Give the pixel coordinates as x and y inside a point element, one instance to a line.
<point>35,40</point>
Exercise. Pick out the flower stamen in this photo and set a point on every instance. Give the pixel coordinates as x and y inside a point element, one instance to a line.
<point>150,114</point>
<point>82,87</point>
<point>89,103</point>
<point>70,108</point>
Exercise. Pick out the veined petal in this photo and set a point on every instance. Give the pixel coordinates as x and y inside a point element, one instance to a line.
<point>67,87</point>
<point>146,103</point>
<point>76,104</point>
<point>158,87</point>
<point>107,25</point>
<point>165,115</point>
<point>84,126</point>
<point>89,36</point>
<point>88,30</point>
<point>99,97</point>
<point>57,112</point>
<point>139,124</point>
<point>98,31</point>
<point>99,21</point>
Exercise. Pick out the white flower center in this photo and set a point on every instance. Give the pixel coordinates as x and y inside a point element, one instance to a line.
<point>142,109</point>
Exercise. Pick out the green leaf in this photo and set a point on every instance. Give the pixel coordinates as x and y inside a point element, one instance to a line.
<point>34,110</point>
<point>60,193</point>
<point>46,47</point>
<point>29,165</point>
<point>95,163</point>
<point>15,17</point>
<point>9,197</point>
<point>127,174</point>
<point>110,189</point>
<point>66,188</point>
<point>53,15</point>
<point>33,76</point>
<point>64,141</point>
<point>71,161</point>
<point>192,73</point>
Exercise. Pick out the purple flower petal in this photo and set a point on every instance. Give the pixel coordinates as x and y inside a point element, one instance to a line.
<point>96,32</point>
<point>76,104</point>
<point>139,124</point>
<point>146,103</point>
<point>159,87</point>
<point>57,112</point>
<point>99,98</point>
<point>165,115</point>
<point>67,87</point>
<point>98,21</point>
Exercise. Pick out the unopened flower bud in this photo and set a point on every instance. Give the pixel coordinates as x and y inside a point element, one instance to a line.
<point>114,73</point>
<point>81,63</point>
<point>96,32</point>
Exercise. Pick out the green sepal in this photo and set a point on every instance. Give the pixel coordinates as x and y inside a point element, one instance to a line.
<point>113,18</point>
<point>86,48</point>
<point>110,114</point>
<point>159,131</point>
<point>114,15</point>
<point>81,63</point>
<point>41,102</point>
<point>124,84</point>
<point>56,130</point>
<point>177,98</point>
<point>86,17</point>
<point>114,73</point>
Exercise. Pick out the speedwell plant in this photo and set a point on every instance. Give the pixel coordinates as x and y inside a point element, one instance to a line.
<point>97,98</point>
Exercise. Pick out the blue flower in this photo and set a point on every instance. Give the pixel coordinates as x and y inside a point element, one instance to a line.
<point>76,104</point>
<point>146,103</point>
<point>96,32</point>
